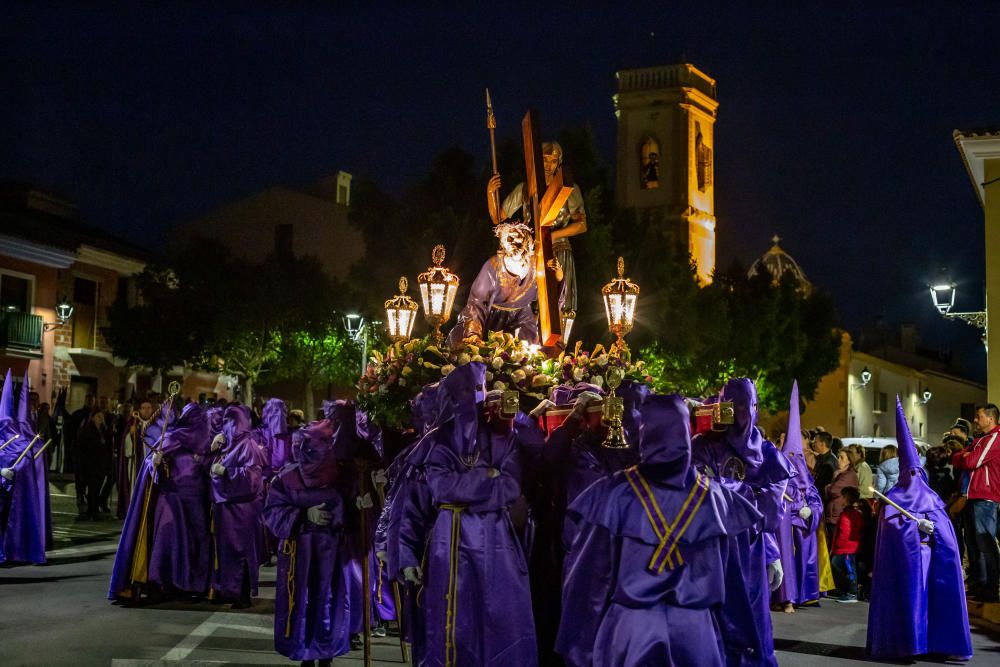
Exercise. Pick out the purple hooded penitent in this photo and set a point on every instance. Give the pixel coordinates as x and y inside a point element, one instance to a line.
<point>648,564</point>
<point>237,506</point>
<point>797,536</point>
<point>273,437</point>
<point>476,598</point>
<point>312,603</point>
<point>742,460</point>
<point>22,502</point>
<point>918,598</point>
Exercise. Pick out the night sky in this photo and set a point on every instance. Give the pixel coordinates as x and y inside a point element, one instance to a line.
<point>834,125</point>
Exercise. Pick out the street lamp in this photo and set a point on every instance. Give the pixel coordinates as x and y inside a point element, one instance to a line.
<point>438,287</point>
<point>927,396</point>
<point>355,325</point>
<point>620,296</point>
<point>400,312</point>
<point>64,311</point>
<point>943,297</point>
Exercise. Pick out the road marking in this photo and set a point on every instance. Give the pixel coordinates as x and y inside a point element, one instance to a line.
<point>85,550</point>
<point>217,621</point>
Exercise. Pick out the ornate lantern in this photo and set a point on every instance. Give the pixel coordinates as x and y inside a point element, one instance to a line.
<point>64,311</point>
<point>943,295</point>
<point>620,296</point>
<point>438,287</point>
<point>400,312</point>
<point>568,317</point>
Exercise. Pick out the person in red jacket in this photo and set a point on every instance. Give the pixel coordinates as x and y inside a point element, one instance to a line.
<point>846,544</point>
<point>982,459</point>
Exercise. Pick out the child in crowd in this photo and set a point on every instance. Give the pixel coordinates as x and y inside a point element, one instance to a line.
<point>846,544</point>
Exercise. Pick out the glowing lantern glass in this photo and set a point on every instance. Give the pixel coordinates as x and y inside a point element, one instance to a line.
<point>943,295</point>
<point>400,312</point>
<point>568,317</point>
<point>620,296</point>
<point>64,311</point>
<point>438,287</point>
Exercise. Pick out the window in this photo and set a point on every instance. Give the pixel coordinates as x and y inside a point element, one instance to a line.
<point>881,401</point>
<point>85,313</point>
<point>15,293</point>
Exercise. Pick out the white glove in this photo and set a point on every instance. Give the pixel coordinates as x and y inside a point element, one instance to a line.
<point>926,526</point>
<point>583,400</point>
<point>7,474</point>
<point>492,473</point>
<point>805,513</point>
<point>414,575</point>
<point>364,502</point>
<point>218,441</point>
<point>218,469</point>
<point>157,458</point>
<point>319,516</point>
<point>382,556</point>
<point>379,478</point>
<point>541,408</point>
<point>775,575</point>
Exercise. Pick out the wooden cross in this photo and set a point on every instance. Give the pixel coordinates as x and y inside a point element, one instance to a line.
<point>545,202</point>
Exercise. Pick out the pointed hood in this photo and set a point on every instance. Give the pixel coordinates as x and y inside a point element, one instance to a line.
<point>368,430</point>
<point>7,399</point>
<point>634,393</point>
<point>24,408</point>
<point>343,425</point>
<point>665,438</point>
<point>424,409</point>
<point>274,417</point>
<point>214,416</point>
<point>743,435</point>
<point>236,424</point>
<point>911,491</point>
<point>793,444</point>
<point>460,397</point>
<point>189,431</point>
<point>315,453</point>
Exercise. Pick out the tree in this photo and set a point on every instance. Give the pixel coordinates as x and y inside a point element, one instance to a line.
<point>317,357</point>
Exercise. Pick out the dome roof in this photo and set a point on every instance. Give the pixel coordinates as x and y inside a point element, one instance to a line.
<point>777,262</point>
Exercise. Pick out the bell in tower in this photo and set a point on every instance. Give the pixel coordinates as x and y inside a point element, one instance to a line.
<point>666,141</point>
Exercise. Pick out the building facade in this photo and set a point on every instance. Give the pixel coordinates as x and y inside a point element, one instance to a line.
<point>665,156</point>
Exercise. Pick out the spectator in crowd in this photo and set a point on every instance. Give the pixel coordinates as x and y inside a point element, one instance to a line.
<point>75,424</point>
<point>846,544</point>
<point>939,473</point>
<point>835,446</point>
<point>826,462</point>
<point>982,460</point>
<point>887,472</point>
<point>808,454</point>
<point>296,418</point>
<point>835,502</point>
<point>93,453</point>
<point>866,478</point>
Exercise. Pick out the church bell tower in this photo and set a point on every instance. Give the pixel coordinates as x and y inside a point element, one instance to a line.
<point>666,142</point>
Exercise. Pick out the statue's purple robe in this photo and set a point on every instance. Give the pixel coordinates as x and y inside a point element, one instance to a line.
<point>237,506</point>
<point>476,597</point>
<point>22,502</point>
<point>132,556</point>
<point>797,536</point>
<point>498,301</point>
<point>626,600</point>
<point>181,551</point>
<point>743,461</point>
<point>312,600</point>
<point>918,599</point>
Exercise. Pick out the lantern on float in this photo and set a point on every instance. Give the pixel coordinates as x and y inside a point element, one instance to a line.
<point>620,296</point>
<point>400,312</point>
<point>438,287</point>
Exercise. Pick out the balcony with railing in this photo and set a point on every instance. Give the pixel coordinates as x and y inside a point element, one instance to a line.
<point>21,334</point>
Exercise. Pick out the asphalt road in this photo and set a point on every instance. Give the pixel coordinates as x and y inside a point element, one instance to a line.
<point>57,615</point>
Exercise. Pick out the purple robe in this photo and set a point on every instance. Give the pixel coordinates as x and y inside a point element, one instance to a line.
<point>476,596</point>
<point>743,461</point>
<point>648,564</point>
<point>236,509</point>
<point>917,600</point>
<point>498,301</point>
<point>23,501</point>
<point>312,603</point>
<point>273,436</point>
<point>797,536</point>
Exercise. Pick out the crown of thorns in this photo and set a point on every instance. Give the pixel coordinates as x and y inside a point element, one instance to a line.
<point>513,225</point>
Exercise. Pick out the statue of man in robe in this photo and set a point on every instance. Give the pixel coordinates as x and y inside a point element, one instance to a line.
<point>501,296</point>
<point>572,220</point>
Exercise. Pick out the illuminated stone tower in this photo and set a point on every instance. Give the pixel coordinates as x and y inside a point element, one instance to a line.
<point>666,142</point>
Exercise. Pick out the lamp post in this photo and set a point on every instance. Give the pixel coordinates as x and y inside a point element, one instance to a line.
<point>400,312</point>
<point>356,330</point>
<point>620,296</point>
<point>866,378</point>
<point>438,287</point>
<point>943,297</point>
